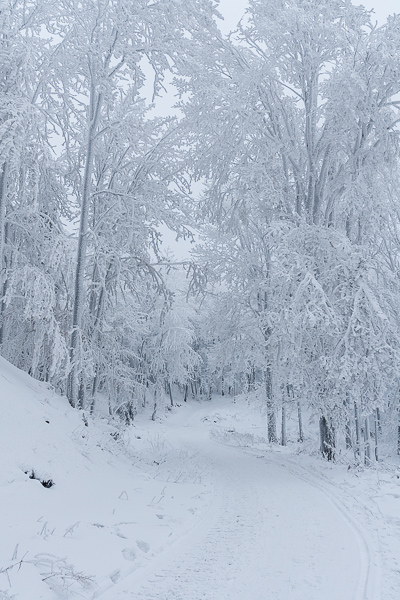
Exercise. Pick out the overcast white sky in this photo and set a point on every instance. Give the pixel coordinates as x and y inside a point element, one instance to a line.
<point>382,8</point>
<point>232,11</point>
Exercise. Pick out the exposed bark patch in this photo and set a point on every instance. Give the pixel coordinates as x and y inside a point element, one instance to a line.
<point>47,483</point>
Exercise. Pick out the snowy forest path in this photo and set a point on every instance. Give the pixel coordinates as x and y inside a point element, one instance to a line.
<point>270,533</point>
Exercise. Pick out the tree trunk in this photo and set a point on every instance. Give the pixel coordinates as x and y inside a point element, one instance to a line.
<point>283,431</point>
<point>357,449</point>
<point>348,433</point>
<point>376,434</point>
<point>271,416</point>
<point>398,440</point>
<point>3,292</point>
<point>367,442</point>
<point>378,419</point>
<point>144,399</point>
<point>327,436</point>
<point>96,309</point>
<point>94,390</point>
<point>300,419</point>
<point>75,350</point>
<point>153,416</point>
<point>349,443</point>
<point>81,393</point>
<point>3,212</point>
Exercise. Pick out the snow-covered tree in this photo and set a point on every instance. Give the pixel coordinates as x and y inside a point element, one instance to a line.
<point>299,133</point>
<point>32,243</point>
<point>92,96</point>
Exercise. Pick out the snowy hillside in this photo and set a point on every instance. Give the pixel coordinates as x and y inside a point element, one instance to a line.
<point>196,505</point>
<point>104,513</point>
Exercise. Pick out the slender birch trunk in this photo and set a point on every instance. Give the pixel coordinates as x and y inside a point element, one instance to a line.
<point>3,211</point>
<point>79,299</point>
<point>283,430</point>
<point>357,449</point>
<point>170,393</point>
<point>349,443</point>
<point>376,423</point>
<point>271,416</point>
<point>348,433</point>
<point>300,420</point>
<point>378,420</point>
<point>398,439</point>
<point>367,442</point>
<point>153,416</point>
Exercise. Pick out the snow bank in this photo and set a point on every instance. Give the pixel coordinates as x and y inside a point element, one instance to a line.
<point>112,500</point>
<point>95,511</point>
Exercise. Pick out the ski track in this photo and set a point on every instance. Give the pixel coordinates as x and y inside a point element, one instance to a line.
<point>370,582</point>
<point>272,532</point>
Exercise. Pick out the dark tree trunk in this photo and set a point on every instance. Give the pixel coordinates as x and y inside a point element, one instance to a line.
<point>300,419</point>
<point>153,416</point>
<point>357,450</point>
<point>398,440</point>
<point>283,429</point>
<point>349,440</point>
<point>367,442</point>
<point>170,394</point>
<point>378,418</point>
<point>327,436</point>
<point>349,443</point>
<point>376,434</point>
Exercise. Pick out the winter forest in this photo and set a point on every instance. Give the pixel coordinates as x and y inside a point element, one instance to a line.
<point>281,156</point>
<point>273,152</point>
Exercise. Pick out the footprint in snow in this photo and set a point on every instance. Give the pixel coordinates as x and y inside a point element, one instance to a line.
<point>144,546</point>
<point>129,554</point>
<point>115,576</point>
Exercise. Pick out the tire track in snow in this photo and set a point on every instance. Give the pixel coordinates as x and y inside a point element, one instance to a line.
<point>155,560</point>
<point>208,561</point>
<point>370,579</point>
<point>253,545</point>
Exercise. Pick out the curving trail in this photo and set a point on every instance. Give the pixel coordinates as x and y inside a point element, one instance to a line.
<point>270,533</point>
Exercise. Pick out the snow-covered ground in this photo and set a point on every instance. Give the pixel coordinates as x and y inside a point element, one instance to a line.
<point>193,506</point>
